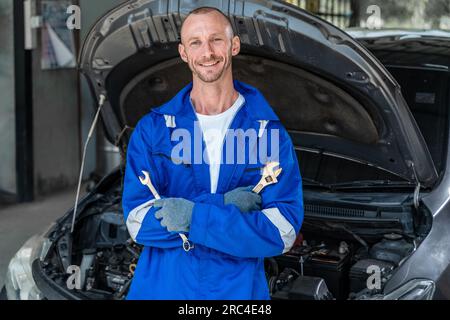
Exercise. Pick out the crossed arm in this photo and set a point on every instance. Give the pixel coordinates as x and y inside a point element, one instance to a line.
<point>267,229</point>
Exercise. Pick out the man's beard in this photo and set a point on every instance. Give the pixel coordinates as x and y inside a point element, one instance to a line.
<point>208,77</point>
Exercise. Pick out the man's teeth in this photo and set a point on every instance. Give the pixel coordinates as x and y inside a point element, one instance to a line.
<point>210,64</point>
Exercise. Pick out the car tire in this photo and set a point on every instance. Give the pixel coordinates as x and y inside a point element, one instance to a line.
<point>3,295</point>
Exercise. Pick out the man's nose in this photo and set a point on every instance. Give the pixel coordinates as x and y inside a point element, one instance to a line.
<point>208,49</point>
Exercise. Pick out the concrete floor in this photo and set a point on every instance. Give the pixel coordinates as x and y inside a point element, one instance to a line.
<point>19,222</point>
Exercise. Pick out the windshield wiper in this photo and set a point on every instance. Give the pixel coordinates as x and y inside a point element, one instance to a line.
<point>360,184</point>
<point>357,184</point>
<point>314,183</point>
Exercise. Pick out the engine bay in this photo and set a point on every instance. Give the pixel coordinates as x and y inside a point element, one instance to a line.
<point>330,259</point>
<point>322,268</point>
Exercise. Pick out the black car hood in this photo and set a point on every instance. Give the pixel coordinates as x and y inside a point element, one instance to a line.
<point>331,94</point>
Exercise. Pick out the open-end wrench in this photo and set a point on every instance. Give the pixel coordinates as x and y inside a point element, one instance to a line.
<point>146,181</point>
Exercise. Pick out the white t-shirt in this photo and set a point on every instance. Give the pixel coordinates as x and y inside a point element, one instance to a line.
<point>214,128</point>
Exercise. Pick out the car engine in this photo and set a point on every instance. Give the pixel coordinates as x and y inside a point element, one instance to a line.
<point>323,268</point>
<point>319,266</point>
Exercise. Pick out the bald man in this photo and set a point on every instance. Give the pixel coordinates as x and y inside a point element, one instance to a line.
<point>208,235</point>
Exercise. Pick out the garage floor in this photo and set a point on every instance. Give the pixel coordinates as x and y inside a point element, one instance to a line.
<point>19,222</point>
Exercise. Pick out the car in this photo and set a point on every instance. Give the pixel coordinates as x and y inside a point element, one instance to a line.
<point>367,112</point>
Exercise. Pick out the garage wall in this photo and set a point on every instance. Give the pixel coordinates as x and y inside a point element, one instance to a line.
<point>57,119</point>
<point>7,107</point>
<point>55,126</point>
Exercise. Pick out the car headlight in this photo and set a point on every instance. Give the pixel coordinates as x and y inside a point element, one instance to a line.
<point>19,282</point>
<point>417,289</point>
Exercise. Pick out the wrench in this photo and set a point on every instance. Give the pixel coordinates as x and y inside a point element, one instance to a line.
<point>269,176</point>
<point>146,181</point>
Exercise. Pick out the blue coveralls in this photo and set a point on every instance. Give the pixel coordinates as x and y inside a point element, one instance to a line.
<point>227,261</point>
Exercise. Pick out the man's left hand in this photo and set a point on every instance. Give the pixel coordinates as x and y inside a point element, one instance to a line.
<point>175,213</point>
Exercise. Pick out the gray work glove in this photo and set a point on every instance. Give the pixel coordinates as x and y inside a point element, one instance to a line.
<point>243,198</point>
<point>175,213</point>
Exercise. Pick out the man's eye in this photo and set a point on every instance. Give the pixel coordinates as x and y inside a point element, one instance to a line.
<point>195,43</point>
<point>218,39</point>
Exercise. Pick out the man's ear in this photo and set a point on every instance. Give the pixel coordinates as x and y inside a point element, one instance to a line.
<point>182,52</point>
<point>235,46</point>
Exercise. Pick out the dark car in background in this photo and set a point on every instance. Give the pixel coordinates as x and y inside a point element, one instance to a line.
<point>367,113</point>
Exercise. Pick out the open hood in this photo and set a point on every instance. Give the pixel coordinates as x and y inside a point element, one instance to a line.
<point>331,94</point>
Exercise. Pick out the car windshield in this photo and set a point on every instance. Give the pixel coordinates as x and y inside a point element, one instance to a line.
<point>382,14</point>
<point>423,77</point>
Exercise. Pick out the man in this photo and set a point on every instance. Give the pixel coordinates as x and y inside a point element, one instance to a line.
<point>208,235</point>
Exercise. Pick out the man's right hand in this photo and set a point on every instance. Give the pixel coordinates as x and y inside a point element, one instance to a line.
<point>243,198</point>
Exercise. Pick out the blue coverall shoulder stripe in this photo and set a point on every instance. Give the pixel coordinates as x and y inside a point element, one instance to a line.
<point>227,261</point>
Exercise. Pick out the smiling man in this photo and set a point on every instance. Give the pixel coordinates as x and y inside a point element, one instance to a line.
<point>208,235</point>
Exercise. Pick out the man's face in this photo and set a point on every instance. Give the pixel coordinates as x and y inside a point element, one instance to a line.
<point>208,45</point>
